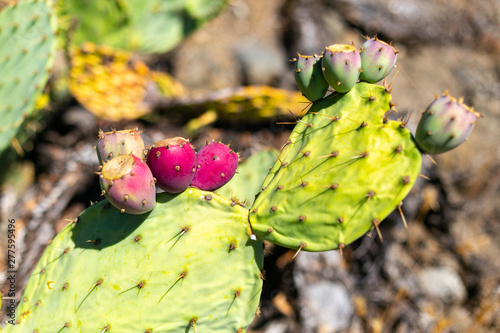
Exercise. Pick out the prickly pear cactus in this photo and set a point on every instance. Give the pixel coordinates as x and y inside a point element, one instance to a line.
<point>115,143</point>
<point>445,124</point>
<point>149,26</point>
<point>27,52</point>
<point>248,179</point>
<point>309,77</point>
<point>188,266</point>
<point>110,83</point>
<point>343,170</point>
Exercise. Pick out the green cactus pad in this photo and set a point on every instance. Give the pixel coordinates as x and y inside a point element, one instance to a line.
<point>247,182</point>
<point>27,52</point>
<point>342,171</point>
<point>152,26</point>
<point>187,265</point>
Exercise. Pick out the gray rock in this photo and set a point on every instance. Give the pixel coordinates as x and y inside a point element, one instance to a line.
<point>325,307</point>
<point>442,283</point>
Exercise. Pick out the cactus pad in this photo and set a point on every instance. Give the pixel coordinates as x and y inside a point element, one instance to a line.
<point>342,171</point>
<point>109,83</point>
<point>27,52</point>
<point>248,179</point>
<point>189,265</point>
<point>152,26</point>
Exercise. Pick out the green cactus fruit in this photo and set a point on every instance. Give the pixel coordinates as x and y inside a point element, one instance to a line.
<point>377,60</point>
<point>309,77</point>
<point>27,53</point>
<point>187,266</point>
<point>445,124</point>
<point>247,182</point>
<point>128,184</point>
<point>153,26</point>
<point>344,168</point>
<point>341,66</point>
<point>115,143</point>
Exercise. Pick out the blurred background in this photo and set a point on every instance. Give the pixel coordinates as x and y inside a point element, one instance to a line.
<point>220,70</point>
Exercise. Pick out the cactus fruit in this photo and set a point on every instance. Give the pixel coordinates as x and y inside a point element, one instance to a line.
<point>28,45</point>
<point>445,124</point>
<point>344,168</point>
<point>188,266</point>
<point>215,166</point>
<point>128,184</point>
<point>115,143</point>
<point>309,77</point>
<point>341,66</point>
<point>377,60</point>
<point>172,162</point>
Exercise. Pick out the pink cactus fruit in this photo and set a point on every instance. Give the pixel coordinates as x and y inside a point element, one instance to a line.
<point>115,143</point>
<point>216,165</point>
<point>128,184</point>
<point>172,162</point>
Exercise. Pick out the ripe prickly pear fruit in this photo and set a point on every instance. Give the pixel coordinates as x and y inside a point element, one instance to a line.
<point>172,162</point>
<point>444,125</point>
<point>115,143</point>
<point>341,66</point>
<point>128,184</point>
<point>215,166</point>
<point>309,77</point>
<point>377,60</point>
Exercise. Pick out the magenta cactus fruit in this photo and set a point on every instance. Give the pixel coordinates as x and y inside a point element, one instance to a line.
<point>377,60</point>
<point>172,162</point>
<point>341,66</point>
<point>128,184</point>
<point>115,143</point>
<point>445,124</point>
<point>215,166</point>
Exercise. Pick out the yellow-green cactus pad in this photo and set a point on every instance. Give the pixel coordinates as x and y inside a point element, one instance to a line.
<point>343,170</point>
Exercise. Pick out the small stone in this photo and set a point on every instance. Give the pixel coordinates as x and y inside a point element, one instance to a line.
<point>443,283</point>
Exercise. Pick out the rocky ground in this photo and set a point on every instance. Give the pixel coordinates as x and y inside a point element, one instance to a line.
<point>440,274</point>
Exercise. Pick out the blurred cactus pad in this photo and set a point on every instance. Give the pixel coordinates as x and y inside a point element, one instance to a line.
<point>148,26</point>
<point>189,265</point>
<point>113,85</point>
<point>27,40</point>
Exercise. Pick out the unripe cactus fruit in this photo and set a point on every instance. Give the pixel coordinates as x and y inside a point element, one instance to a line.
<point>128,184</point>
<point>377,60</point>
<point>215,166</point>
<point>341,66</point>
<point>309,77</point>
<point>115,143</point>
<point>445,124</point>
<point>172,162</point>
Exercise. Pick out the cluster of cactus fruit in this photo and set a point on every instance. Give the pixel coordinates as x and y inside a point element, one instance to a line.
<point>192,259</point>
<point>129,171</point>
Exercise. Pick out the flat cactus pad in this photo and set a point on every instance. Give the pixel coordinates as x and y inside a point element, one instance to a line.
<point>344,168</point>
